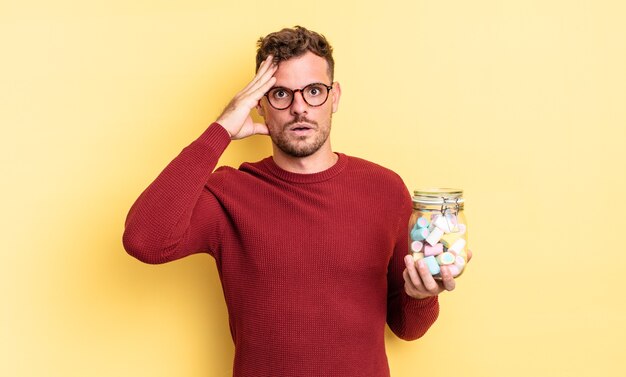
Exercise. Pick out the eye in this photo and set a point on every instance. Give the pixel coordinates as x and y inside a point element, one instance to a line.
<point>280,93</point>
<point>314,90</point>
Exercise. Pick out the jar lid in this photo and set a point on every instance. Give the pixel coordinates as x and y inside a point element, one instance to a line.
<point>438,196</point>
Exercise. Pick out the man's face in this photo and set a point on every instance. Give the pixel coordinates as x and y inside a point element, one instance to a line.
<point>301,130</point>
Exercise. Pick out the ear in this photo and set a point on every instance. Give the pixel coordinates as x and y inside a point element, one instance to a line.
<point>336,93</point>
<point>260,109</point>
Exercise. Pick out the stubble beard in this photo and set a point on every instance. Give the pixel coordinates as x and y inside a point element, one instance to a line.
<point>298,147</point>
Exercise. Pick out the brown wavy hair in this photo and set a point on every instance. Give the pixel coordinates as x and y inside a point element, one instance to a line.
<point>290,43</point>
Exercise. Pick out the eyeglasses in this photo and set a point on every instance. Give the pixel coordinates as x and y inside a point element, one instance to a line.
<point>314,95</point>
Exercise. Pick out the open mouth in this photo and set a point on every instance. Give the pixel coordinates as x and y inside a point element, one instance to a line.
<point>300,127</point>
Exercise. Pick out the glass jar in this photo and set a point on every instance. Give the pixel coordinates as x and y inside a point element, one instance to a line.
<point>438,230</point>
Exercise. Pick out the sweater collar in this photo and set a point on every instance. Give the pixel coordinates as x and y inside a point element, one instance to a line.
<point>324,175</point>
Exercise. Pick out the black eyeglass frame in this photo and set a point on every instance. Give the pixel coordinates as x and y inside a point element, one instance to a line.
<point>293,95</point>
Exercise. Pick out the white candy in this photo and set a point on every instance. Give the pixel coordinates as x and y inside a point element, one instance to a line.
<point>459,261</point>
<point>434,236</point>
<point>442,224</point>
<point>457,246</point>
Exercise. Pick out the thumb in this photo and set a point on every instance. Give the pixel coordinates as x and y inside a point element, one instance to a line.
<point>260,129</point>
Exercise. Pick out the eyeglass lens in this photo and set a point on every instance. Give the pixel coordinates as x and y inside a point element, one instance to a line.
<point>314,95</point>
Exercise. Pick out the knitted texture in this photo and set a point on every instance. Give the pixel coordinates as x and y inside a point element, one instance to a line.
<point>310,264</point>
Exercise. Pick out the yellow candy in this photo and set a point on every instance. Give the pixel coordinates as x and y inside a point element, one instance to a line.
<point>418,256</point>
<point>445,258</point>
<point>462,254</point>
<point>450,238</point>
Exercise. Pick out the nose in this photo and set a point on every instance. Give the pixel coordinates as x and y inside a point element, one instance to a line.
<point>299,105</point>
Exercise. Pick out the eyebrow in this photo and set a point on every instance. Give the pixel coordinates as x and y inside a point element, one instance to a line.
<point>284,87</point>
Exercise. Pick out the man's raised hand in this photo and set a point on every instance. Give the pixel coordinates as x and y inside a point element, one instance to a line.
<point>236,117</point>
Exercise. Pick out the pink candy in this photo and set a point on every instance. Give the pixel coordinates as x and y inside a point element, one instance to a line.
<point>416,246</point>
<point>433,250</point>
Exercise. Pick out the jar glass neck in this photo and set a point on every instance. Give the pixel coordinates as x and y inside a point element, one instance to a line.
<point>454,208</point>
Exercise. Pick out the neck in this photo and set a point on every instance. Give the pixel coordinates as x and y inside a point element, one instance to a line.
<point>315,163</point>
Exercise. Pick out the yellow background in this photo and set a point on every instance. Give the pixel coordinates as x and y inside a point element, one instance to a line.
<point>520,103</point>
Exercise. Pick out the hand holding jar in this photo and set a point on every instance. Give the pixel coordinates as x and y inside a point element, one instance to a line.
<point>438,230</point>
<point>437,242</point>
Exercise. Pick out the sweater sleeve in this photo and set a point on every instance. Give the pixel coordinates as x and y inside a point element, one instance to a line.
<point>407,317</point>
<point>174,216</point>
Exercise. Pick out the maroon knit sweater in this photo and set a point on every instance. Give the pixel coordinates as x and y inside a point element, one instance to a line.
<point>310,264</point>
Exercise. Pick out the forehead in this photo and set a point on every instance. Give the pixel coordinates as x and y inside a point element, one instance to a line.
<point>302,70</point>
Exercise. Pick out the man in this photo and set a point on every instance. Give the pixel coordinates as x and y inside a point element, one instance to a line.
<point>310,245</point>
